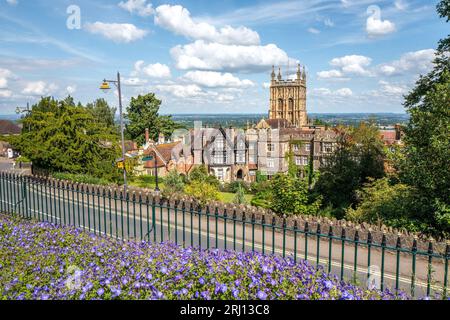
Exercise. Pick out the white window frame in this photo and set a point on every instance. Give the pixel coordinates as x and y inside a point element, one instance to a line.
<point>307,146</point>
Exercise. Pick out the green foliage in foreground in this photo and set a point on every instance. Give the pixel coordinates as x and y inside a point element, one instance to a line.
<point>203,192</point>
<point>173,184</point>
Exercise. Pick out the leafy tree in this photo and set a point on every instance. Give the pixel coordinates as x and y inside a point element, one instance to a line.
<point>203,192</point>
<point>369,150</point>
<point>63,137</point>
<point>393,204</point>
<point>200,173</point>
<point>291,196</point>
<point>143,113</point>
<point>292,167</point>
<point>102,113</point>
<point>426,161</point>
<point>358,157</point>
<point>260,177</point>
<point>239,197</point>
<point>339,175</point>
<point>173,184</point>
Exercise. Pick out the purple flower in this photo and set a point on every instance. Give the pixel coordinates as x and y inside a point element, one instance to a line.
<point>261,295</point>
<point>163,270</point>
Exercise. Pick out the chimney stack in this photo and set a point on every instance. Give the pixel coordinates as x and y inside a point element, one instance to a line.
<point>147,135</point>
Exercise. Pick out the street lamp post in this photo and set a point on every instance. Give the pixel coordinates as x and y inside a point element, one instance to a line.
<point>105,87</point>
<point>155,167</point>
<point>26,110</point>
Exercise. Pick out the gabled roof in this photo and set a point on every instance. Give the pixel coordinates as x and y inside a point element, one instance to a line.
<point>163,154</point>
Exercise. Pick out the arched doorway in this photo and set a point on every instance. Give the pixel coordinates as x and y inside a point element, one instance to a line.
<point>240,174</point>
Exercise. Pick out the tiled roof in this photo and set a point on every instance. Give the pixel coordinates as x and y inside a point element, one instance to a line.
<point>9,127</point>
<point>164,154</point>
<point>278,123</point>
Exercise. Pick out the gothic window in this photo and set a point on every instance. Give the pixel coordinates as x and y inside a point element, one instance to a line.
<point>291,104</point>
<point>280,104</point>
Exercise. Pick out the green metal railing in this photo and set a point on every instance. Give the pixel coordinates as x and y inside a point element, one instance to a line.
<point>139,216</point>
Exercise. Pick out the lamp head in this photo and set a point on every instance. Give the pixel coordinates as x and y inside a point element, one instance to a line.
<point>105,86</point>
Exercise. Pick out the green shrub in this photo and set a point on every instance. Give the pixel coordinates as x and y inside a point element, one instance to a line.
<point>202,192</point>
<point>173,185</point>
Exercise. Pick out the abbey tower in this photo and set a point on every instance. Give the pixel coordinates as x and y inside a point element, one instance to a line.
<point>288,98</point>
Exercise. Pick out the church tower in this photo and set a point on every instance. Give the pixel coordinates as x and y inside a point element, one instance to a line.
<point>288,98</point>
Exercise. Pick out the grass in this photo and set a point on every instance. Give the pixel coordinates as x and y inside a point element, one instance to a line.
<point>228,197</point>
<point>149,182</point>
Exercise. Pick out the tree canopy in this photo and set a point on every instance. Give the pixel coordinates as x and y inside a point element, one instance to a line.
<point>102,112</point>
<point>143,113</point>
<point>60,136</point>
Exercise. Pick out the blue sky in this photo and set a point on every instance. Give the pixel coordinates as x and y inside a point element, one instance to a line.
<point>216,56</point>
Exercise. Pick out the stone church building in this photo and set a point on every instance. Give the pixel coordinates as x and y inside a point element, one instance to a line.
<point>233,154</point>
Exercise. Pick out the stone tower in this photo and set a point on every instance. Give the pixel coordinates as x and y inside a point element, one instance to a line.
<point>288,98</point>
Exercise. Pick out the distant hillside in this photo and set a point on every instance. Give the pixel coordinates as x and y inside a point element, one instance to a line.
<point>241,120</point>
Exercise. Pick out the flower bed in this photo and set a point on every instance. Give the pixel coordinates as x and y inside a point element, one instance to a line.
<point>43,261</point>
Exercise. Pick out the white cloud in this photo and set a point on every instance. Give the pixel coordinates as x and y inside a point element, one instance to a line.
<point>178,20</point>
<point>156,70</point>
<point>376,27</point>
<point>117,32</point>
<point>71,89</point>
<point>216,79</point>
<point>5,75</point>
<point>12,2</point>
<point>411,62</point>
<point>313,30</point>
<point>330,74</point>
<point>353,64</point>
<point>3,83</point>
<point>225,97</point>
<point>5,93</point>
<point>344,92</point>
<point>220,57</point>
<point>39,88</point>
<point>139,7</point>
<point>181,91</point>
<point>266,85</point>
<point>401,5</point>
<point>390,90</point>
